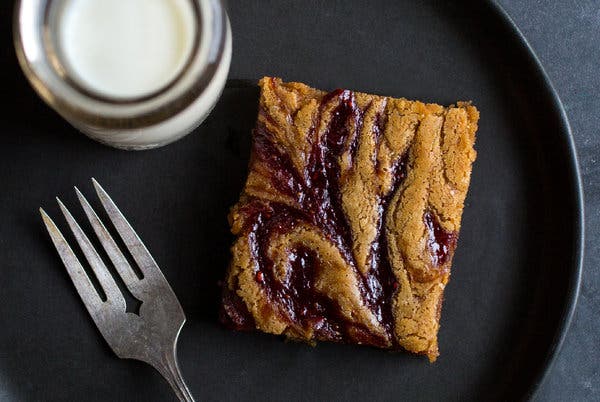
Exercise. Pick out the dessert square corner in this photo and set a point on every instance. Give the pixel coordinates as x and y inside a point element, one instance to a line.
<point>349,218</point>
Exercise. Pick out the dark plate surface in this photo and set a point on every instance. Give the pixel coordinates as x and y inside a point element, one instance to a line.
<point>516,270</point>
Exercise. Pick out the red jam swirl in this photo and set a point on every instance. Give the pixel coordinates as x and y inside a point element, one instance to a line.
<point>317,190</point>
<point>441,242</point>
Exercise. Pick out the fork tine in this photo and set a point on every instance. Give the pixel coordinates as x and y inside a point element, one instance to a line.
<point>113,294</point>
<point>134,244</point>
<point>111,247</point>
<point>80,279</point>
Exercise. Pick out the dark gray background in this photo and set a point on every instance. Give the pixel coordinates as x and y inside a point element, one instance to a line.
<point>565,35</point>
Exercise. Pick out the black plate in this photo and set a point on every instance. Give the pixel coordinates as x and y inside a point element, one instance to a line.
<point>516,271</point>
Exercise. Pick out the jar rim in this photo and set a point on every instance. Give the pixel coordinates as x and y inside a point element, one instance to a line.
<point>35,46</point>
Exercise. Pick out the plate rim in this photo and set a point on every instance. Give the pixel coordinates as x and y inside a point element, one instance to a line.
<point>573,288</point>
<point>575,185</point>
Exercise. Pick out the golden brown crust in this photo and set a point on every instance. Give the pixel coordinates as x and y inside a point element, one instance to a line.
<point>400,171</point>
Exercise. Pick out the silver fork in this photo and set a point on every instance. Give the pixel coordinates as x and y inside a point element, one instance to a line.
<point>150,336</point>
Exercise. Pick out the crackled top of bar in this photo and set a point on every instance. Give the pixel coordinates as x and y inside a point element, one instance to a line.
<point>349,218</point>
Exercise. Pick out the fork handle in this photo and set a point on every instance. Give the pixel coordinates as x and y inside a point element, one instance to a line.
<point>168,367</point>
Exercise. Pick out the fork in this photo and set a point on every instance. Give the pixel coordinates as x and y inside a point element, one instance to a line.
<point>151,335</point>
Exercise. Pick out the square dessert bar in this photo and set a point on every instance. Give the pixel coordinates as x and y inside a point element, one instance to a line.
<point>349,218</point>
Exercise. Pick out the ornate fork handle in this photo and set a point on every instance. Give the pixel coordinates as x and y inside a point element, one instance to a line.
<point>168,367</point>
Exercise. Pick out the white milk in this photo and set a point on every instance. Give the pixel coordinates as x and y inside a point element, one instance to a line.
<point>146,72</point>
<point>126,48</point>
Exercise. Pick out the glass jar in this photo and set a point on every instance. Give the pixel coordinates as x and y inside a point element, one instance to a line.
<point>140,121</point>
